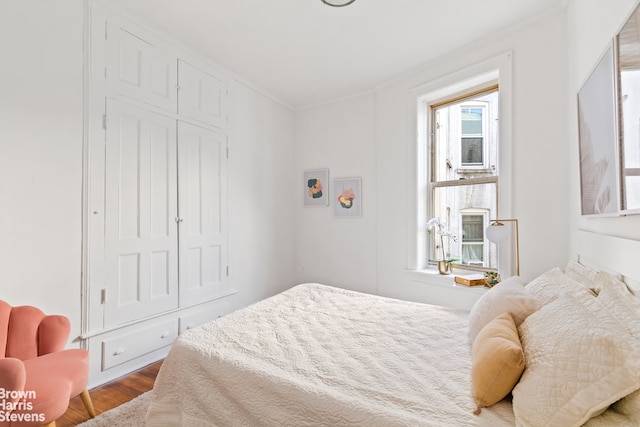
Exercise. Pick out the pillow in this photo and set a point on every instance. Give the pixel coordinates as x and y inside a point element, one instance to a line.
<point>578,362</point>
<point>605,279</point>
<point>550,285</point>
<point>625,307</point>
<point>510,296</point>
<point>497,361</point>
<point>629,406</point>
<point>620,303</point>
<point>611,418</point>
<point>581,274</point>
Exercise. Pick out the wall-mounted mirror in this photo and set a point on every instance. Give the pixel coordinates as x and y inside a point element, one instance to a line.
<point>628,66</point>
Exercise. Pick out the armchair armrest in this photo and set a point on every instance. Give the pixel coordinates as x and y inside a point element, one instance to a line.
<point>53,334</point>
<point>12,375</point>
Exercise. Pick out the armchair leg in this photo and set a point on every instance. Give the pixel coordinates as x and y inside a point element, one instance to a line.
<point>86,400</point>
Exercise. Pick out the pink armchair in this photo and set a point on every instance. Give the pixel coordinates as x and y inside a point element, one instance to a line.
<point>38,376</point>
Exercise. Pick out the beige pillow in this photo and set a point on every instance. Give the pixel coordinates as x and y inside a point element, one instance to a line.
<point>578,362</point>
<point>507,296</point>
<point>550,285</point>
<point>497,361</point>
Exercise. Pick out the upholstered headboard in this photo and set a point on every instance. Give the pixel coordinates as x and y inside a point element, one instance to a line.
<point>614,254</point>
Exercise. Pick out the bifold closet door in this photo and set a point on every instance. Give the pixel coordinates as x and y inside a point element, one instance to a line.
<point>141,253</point>
<point>202,195</point>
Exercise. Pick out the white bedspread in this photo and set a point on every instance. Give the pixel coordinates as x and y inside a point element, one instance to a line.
<point>321,356</point>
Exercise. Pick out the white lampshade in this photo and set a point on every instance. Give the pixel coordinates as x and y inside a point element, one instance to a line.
<point>497,232</point>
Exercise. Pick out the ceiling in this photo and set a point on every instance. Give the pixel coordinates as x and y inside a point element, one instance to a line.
<point>303,52</point>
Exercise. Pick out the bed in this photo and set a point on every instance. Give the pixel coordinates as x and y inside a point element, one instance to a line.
<point>317,355</point>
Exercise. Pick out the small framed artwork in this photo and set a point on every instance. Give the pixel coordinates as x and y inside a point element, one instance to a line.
<point>316,187</point>
<point>347,194</point>
<point>598,140</point>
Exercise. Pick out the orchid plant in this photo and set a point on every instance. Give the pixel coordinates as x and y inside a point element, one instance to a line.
<point>442,231</point>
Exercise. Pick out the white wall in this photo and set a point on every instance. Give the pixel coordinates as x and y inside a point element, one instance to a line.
<point>41,167</point>
<point>41,134</point>
<point>591,25</point>
<point>539,150</point>
<point>261,180</point>
<point>337,251</point>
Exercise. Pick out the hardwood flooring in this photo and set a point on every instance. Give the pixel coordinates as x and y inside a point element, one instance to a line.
<point>110,395</point>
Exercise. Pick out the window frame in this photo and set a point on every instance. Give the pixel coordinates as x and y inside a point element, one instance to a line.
<point>461,81</point>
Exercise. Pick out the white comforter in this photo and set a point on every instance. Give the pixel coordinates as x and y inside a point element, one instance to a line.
<point>321,356</point>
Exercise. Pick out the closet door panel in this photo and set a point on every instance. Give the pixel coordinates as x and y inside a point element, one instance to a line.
<point>201,96</point>
<point>140,211</point>
<point>139,68</point>
<point>202,193</point>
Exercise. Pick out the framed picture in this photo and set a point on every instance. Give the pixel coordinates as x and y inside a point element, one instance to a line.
<point>628,77</point>
<point>316,187</point>
<point>347,194</point>
<point>598,140</point>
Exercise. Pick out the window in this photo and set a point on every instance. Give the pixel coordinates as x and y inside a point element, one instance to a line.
<point>450,113</point>
<point>463,182</point>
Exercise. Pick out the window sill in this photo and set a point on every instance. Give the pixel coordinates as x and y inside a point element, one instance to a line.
<point>432,277</point>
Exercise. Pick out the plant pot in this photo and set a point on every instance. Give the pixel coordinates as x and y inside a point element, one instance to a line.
<point>444,267</point>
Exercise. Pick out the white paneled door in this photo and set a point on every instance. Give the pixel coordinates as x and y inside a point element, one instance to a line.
<point>141,253</point>
<point>138,68</point>
<point>155,259</point>
<point>202,97</point>
<point>202,171</point>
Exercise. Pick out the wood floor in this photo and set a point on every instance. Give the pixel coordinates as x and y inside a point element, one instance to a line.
<point>111,395</point>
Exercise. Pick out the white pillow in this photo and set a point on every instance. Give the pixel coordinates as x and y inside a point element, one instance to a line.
<point>605,279</point>
<point>550,285</point>
<point>629,406</point>
<point>621,304</point>
<point>578,362</point>
<point>509,296</point>
<point>625,307</point>
<point>578,272</point>
<point>611,418</point>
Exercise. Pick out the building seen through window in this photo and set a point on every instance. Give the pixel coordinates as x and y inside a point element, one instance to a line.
<point>463,184</point>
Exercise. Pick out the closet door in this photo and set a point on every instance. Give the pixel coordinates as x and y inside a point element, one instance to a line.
<point>202,194</point>
<point>201,96</point>
<point>138,67</point>
<point>141,264</point>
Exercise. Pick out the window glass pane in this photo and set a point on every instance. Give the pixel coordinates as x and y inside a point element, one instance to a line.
<point>472,240</point>
<point>472,228</point>
<point>464,239</point>
<point>628,62</point>
<point>471,151</point>
<point>473,255</point>
<point>471,121</point>
<point>465,138</point>
<point>632,186</point>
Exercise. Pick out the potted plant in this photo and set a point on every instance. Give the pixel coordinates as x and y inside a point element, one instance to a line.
<point>444,263</point>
